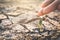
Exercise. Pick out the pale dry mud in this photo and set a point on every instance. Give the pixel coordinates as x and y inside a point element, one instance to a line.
<point>18,21</point>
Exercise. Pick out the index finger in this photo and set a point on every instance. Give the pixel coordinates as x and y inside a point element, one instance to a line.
<point>46,2</point>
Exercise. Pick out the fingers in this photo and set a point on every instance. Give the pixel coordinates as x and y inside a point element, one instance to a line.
<point>46,2</point>
<point>40,12</point>
<point>51,7</point>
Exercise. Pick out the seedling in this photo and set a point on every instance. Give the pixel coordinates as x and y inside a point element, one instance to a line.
<point>40,25</point>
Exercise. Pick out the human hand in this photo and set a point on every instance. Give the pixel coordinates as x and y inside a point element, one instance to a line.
<point>49,6</point>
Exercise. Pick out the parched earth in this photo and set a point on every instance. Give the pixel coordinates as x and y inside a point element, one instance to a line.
<point>18,21</point>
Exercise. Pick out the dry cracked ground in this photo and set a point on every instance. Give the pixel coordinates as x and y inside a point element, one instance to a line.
<point>18,21</point>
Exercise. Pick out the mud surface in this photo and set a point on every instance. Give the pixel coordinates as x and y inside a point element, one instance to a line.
<point>18,21</point>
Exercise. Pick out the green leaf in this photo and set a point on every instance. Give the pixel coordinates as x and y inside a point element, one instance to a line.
<point>40,25</point>
<point>40,22</point>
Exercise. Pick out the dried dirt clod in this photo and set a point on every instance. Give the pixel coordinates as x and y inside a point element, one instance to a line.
<point>53,38</point>
<point>6,22</point>
<point>19,28</point>
<point>13,13</point>
<point>2,16</point>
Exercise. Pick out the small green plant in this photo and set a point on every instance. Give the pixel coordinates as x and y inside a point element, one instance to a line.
<point>40,25</point>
